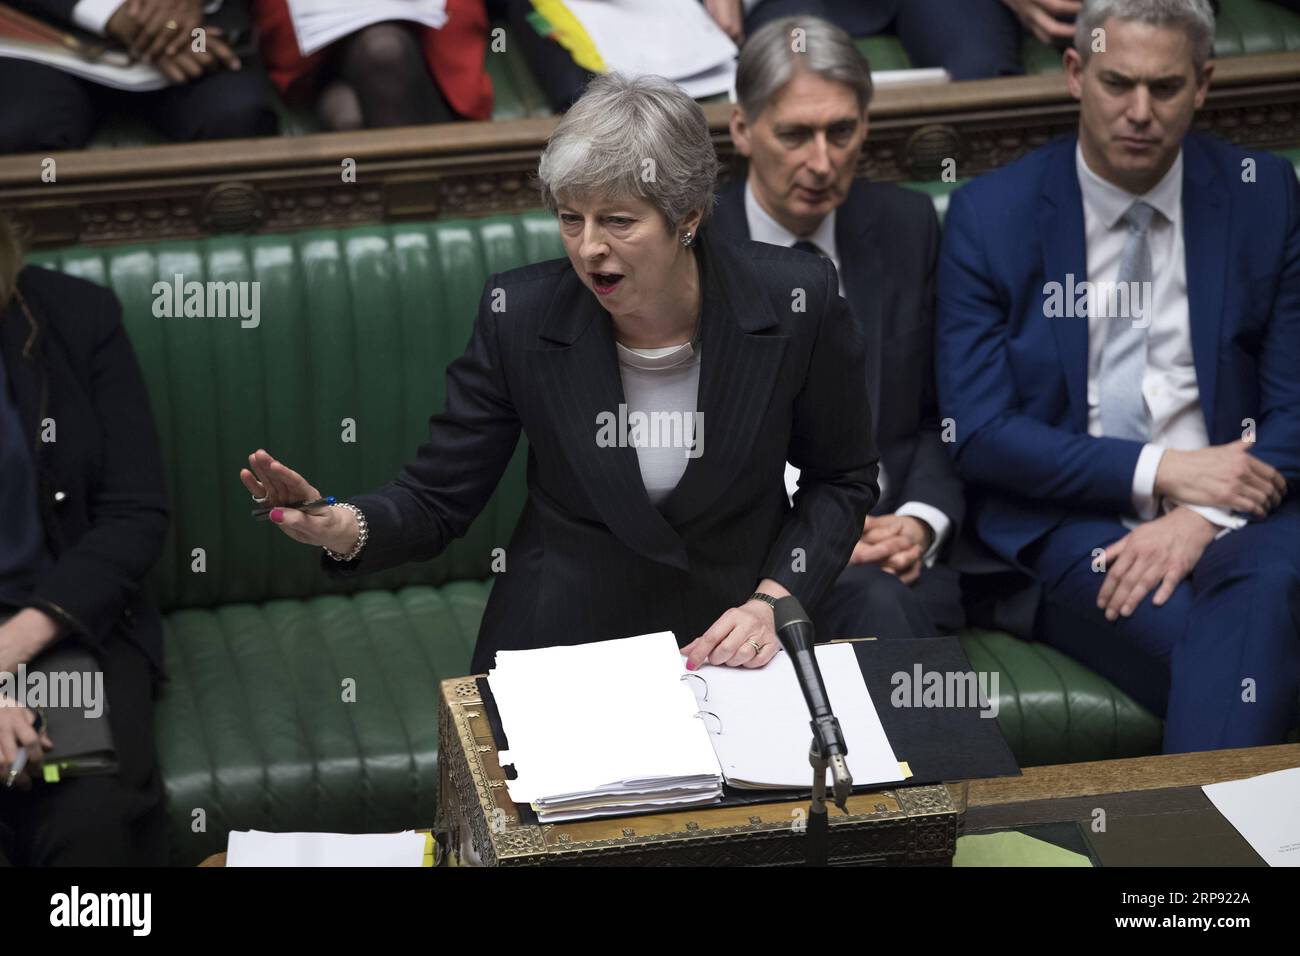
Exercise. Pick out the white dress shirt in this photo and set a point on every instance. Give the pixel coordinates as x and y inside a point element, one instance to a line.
<point>93,15</point>
<point>1169,383</point>
<point>763,228</point>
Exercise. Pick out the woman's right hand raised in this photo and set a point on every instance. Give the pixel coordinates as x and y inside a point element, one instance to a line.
<point>282,487</point>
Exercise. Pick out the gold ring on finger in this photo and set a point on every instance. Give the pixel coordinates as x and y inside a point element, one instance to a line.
<point>758,648</point>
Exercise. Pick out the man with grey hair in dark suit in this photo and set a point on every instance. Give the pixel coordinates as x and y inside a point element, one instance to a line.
<point>801,120</point>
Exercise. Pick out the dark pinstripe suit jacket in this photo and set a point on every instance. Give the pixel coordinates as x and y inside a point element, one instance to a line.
<point>591,558</point>
<point>888,241</point>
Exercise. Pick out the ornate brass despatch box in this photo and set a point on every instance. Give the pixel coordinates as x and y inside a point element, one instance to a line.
<point>478,823</point>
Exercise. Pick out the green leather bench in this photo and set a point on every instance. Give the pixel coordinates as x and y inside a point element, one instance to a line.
<point>298,703</point>
<point>1244,26</point>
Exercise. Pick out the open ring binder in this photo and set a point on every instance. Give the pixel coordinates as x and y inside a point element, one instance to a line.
<point>701,713</point>
<point>700,678</point>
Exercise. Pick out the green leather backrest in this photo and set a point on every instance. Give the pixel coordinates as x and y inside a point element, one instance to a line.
<point>354,324</point>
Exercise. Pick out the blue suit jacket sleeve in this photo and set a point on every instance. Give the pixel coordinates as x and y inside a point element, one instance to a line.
<point>1277,436</point>
<point>996,445</point>
<point>931,478</point>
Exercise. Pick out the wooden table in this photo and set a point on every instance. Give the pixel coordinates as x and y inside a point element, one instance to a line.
<point>1138,811</point>
<point>1128,791</point>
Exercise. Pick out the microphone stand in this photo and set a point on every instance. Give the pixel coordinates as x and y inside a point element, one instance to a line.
<point>827,750</point>
<point>817,847</point>
<point>826,731</point>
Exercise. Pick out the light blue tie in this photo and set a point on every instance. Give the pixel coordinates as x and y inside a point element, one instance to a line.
<point>1124,357</point>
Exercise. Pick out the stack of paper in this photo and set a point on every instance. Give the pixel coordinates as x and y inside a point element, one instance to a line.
<point>603,729</point>
<point>318,23</point>
<point>620,727</point>
<point>257,848</point>
<point>676,39</point>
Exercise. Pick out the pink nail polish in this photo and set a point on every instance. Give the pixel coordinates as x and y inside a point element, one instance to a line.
<point>277,515</point>
<point>690,665</point>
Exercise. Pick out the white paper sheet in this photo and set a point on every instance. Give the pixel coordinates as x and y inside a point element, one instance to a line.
<point>1266,812</point>
<point>136,78</point>
<point>259,848</point>
<point>676,39</point>
<point>762,735</point>
<point>318,23</point>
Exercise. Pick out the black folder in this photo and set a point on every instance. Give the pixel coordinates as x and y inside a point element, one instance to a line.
<point>939,744</point>
<point>83,745</point>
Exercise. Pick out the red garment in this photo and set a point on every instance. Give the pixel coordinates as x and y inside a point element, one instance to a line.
<point>454,53</point>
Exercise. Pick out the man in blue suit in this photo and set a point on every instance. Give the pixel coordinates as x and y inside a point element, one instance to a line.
<point>1118,328</point>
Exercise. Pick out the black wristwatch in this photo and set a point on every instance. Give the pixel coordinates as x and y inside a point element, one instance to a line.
<point>765,598</point>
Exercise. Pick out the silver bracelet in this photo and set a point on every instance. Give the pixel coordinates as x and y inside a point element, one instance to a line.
<point>363,533</point>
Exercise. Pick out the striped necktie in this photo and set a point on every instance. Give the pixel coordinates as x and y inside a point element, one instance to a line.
<point>1124,357</point>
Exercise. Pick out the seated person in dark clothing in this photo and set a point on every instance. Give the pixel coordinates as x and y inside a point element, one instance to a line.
<point>561,79</point>
<point>82,519</point>
<point>216,92</point>
<point>971,39</point>
<point>801,121</point>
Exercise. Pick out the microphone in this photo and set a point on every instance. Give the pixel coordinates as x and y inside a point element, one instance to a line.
<point>795,632</point>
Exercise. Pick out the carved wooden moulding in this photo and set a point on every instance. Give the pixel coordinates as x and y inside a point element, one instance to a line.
<point>477,824</point>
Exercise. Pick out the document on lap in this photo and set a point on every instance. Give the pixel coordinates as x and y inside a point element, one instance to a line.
<point>676,39</point>
<point>618,727</point>
<point>132,77</point>
<point>318,23</point>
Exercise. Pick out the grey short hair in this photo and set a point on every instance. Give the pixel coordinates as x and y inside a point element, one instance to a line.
<point>1194,17</point>
<point>625,136</point>
<point>770,57</point>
